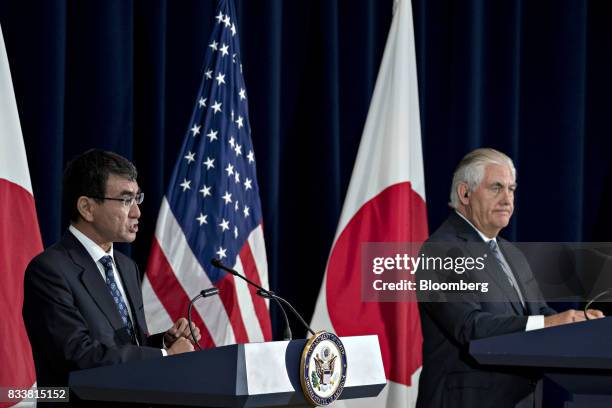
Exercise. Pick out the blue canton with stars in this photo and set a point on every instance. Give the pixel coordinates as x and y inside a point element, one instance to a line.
<point>213,191</point>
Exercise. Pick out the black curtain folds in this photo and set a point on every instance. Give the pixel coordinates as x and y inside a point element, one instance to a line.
<point>531,78</point>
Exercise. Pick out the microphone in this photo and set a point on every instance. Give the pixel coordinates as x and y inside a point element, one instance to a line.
<point>295,312</point>
<point>586,307</point>
<point>267,294</point>
<point>203,294</point>
<point>287,335</point>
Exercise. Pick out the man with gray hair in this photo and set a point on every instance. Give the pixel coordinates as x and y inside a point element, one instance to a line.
<point>482,199</point>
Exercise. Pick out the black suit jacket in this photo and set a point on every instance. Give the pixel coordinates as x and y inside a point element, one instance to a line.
<point>450,376</point>
<point>71,318</point>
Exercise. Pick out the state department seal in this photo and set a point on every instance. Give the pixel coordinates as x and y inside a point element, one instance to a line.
<point>323,368</point>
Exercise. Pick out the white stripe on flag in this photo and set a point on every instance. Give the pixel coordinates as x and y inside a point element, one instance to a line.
<point>258,249</point>
<point>158,320</point>
<point>247,309</point>
<point>191,276</point>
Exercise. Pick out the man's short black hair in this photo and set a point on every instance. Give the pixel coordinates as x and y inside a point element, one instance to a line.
<point>86,175</point>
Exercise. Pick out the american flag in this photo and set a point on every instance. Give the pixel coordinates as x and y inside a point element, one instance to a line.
<point>212,210</point>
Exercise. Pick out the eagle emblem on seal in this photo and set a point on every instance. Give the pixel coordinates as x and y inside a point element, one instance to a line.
<point>325,363</point>
<point>323,368</point>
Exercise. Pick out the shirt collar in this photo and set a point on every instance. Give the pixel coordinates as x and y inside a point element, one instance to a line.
<point>483,236</point>
<point>94,250</point>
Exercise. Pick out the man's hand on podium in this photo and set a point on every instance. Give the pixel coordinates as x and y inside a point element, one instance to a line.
<point>180,345</point>
<point>571,316</point>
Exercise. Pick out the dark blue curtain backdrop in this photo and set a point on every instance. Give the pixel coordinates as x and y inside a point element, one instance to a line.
<point>531,78</point>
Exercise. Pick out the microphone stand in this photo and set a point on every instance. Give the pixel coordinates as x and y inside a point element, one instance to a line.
<point>203,294</point>
<point>267,294</point>
<point>270,294</point>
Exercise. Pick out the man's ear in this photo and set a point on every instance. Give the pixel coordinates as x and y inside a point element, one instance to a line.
<point>85,206</point>
<point>463,192</point>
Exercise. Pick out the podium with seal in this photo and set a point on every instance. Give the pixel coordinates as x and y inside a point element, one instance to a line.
<point>282,373</point>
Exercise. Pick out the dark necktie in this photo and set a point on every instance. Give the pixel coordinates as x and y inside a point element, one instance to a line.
<point>107,263</point>
<point>506,268</point>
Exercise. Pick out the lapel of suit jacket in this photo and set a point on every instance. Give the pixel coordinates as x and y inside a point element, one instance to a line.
<point>128,275</point>
<point>92,280</point>
<point>467,233</point>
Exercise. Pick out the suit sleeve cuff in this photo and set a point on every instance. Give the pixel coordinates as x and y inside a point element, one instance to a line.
<point>535,323</point>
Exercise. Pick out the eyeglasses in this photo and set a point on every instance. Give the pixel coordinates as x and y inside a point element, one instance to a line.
<point>128,202</point>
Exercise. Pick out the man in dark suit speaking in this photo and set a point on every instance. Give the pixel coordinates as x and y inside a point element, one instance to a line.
<point>83,306</point>
<point>482,197</point>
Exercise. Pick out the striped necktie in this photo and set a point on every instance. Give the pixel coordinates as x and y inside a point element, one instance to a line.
<point>107,263</point>
<point>506,268</point>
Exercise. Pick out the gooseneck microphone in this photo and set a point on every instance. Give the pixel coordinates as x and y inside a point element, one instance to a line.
<point>287,335</point>
<point>265,293</point>
<point>586,307</point>
<point>268,294</point>
<point>203,294</point>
